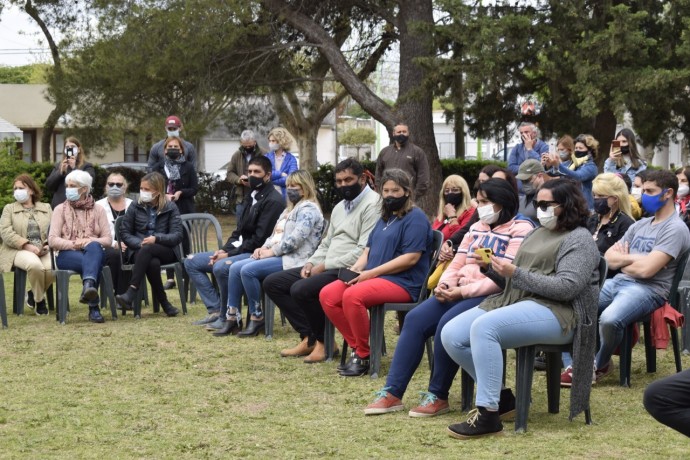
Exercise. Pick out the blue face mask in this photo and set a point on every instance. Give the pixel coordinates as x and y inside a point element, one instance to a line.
<point>652,203</point>
<point>72,193</point>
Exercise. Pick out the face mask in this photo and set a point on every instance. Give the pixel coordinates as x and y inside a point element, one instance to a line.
<point>601,206</point>
<point>453,198</point>
<point>401,139</point>
<point>528,188</point>
<point>248,150</point>
<point>21,195</point>
<point>173,154</point>
<point>114,192</point>
<point>625,149</point>
<point>293,195</point>
<point>350,192</point>
<point>273,146</point>
<point>487,214</point>
<point>393,204</point>
<point>547,219</point>
<point>174,133</point>
<point>683,191</point>
<point>255,182</point>
<point>564,154</point>
<point>72,193</point>
<point>652,203</point>
<point>636,192</point>
<point>579,154</point>
<point>146,197</point>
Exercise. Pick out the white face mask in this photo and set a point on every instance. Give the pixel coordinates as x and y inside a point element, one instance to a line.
<point>21,195</point>
<point>487,214</point>
<point>146,197</point>
<point>636,192</point>
<point>683,191</point>
<point>273,146</point>
<point>174,133</point>
<point>547,219</point>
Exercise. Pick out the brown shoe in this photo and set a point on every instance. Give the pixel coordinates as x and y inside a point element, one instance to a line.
<point>302,349</point>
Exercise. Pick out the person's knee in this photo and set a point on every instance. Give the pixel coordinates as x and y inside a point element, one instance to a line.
<point>651,400</point>
<point>221,269</point>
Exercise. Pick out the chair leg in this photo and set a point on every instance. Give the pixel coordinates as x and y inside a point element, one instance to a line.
<point>19,291</point>
<point>3,302</point>
<point>625,350</point>
<point>588,416</point>
<point>108,291</point>
<point>553,381</point>
<point>525,374</point>
<point>676,348</point>
<point>466,391</point>
<point>649,350</point>
<point>269,316</point>
<point>328,339</point>
<point>62,280</point>
<point>377,315</point>
<point>180,275</point>
<point>50,294</point>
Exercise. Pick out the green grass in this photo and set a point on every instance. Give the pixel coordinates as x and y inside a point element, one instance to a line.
<point>159,387</point>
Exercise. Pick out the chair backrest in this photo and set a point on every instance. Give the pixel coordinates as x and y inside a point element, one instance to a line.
<point>118,227</point>
<point>603,271</point>
<point>674,296</point>
<point>196,227</point>
<point>436,250</point>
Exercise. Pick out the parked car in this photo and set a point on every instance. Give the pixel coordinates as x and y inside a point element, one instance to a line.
<point>125,164</point>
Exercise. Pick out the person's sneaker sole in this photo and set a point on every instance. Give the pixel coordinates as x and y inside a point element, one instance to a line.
<point>455,435</point>
<point>423,414</point>
<point>383,410</point>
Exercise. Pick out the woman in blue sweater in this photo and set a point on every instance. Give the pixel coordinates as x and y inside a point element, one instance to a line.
<point>279,143</point>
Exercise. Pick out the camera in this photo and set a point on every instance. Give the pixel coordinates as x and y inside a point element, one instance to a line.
<point>70,152</point>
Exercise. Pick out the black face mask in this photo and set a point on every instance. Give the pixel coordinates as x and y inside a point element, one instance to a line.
<point>601,206</point>
<point>249,150</point>
<point>401,139</point>
<point>453,198</point>
<point>625,149</point>
<point>255,183</point>
<point>579,154</point>
<point>173,154</point>
<point>350,192</point>
<point>393,204</point>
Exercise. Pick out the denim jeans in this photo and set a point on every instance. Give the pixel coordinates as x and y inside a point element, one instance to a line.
<point>475,339</point>
<point>622,301</point>
<point>246,277</point>
<point>426,320</point>
<point>197,268</point>
<point>88,262</point>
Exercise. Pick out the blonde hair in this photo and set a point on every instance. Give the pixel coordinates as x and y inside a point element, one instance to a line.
<point>157,183</point>
<point>609,184</point>
<point>283,137</point>
<point>302,178</point>
<point>590,142</point>
<point>455,181</point>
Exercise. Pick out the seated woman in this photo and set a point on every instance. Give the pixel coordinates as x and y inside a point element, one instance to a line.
<point>550,297</point>
<point>24,235</point>
<point>392,268</point>
<point>462,286</point>
<point>152,231</point>
<point>115,204</point>
<point>295,237</point>
<point>79,230</point>
<point>581,166</point>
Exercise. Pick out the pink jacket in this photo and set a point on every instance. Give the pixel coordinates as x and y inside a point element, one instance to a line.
<point>503,240</point>
<point>100,232</point>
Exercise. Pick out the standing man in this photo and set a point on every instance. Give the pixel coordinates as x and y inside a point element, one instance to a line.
<point>403,154</point>
<point>237,170</point>
<point>530,147</point>
<point>173,127</point>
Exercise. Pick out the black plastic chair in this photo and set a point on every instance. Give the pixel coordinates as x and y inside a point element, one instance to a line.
<point>196,227</point>
<point>626,345</point>
<point>20,277</point>
<point>3,302</point>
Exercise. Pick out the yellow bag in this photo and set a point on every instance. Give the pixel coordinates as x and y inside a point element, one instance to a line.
<point>436,275</point>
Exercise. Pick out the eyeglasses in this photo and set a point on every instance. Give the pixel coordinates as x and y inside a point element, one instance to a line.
<point>115,184</point>
<point>543,205</point>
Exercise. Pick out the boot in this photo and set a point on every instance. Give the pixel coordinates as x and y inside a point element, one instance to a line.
<point>506,405</point>
<point>480,422</point>
<point>89,293</point>
<point>95,315</point>
<point>126,300</point>
<point>231,326</point>
<point>169,309</point>
<point>302,349</point>
<point>318,355</point>
<point>41,308</point>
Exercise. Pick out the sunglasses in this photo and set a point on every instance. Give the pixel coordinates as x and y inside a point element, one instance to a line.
<point>543,205</point>
<point>115,184</point>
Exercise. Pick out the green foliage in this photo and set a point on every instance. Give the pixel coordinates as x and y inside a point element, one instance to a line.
<point>214,196</point>
<point>358,137</point>
<point>11,167</point>
<point>356,110</point>
<point>27,74</point>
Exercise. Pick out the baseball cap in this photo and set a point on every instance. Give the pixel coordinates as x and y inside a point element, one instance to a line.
<point>529,168</point>
<point>172,122</point>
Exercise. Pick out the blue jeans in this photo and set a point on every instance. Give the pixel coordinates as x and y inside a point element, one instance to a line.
<point>198,266</point>
<point>621,302</point>
<point>424,321</point>
<point>88,262</point>
<point>475,339</point>
<point>246,277</point>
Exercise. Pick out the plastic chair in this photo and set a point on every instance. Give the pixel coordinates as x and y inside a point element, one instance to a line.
<point>3,302</point>
<point>196,227</point>
<point>20,277</point>
<point>626,345</point>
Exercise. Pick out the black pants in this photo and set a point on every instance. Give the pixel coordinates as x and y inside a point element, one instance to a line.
<point>112,260</point>
<point>668,401</point>
<point>298,299</point>
<point>148,261</point>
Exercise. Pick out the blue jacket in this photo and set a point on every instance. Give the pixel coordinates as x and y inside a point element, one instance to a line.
<point>289,165</point>
<point>518,154</point>
<point>584,174</point>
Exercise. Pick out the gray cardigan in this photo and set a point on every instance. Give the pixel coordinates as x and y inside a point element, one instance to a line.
<point>576,281</point>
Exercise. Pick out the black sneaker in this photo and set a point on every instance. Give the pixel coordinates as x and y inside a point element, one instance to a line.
<point>540,362</point>
<point>170,284</point>
<point>480,422</point>
<point>41,308</point>
<point>95,315</point>
<point>506,406</point>
<point>30,302</point>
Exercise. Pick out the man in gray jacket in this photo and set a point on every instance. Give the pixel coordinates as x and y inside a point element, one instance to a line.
<point>237,170</point>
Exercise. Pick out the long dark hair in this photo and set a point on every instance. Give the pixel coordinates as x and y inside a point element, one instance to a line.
<point>635,158</point>
<point>568,193</point>
<point>502,193</point>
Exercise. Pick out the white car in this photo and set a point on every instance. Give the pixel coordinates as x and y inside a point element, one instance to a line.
<point>222,172</point>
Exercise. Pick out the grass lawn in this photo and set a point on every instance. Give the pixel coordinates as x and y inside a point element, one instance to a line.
<point>159,387</point>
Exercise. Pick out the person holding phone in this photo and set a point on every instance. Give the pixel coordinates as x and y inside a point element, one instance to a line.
<point>392,268</point>
<point>237,168</point>
<point>581,166</point>
<point>624,156</point>
<point>465,283</point>
<point>73,158</point>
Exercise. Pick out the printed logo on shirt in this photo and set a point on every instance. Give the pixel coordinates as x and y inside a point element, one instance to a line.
<point>487,240</point>
<point>642,245</point>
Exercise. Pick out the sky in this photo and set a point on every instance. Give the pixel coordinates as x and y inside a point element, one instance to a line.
<point>19,39</point>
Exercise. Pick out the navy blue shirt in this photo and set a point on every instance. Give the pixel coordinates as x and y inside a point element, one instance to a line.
<point>398,236</point>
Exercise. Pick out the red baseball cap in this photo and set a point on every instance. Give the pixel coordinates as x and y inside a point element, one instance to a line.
<point>172,122</point>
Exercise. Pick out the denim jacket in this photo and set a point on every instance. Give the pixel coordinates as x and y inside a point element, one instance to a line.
<point>301,236</point>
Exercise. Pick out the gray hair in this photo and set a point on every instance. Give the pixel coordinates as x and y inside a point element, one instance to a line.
<point>81,178</point>
<point>531,125</point>
<point>247,135</point>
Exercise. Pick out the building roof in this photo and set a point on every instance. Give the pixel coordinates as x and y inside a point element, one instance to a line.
<point>25,106</point>
<point>8,130</point>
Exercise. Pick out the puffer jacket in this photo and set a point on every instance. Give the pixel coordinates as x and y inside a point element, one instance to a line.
<point>168,230</point>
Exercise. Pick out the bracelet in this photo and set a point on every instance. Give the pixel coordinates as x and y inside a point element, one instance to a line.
<point>452,217</point>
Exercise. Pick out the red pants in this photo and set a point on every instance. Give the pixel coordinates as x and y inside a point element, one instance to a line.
<point>346,307</point>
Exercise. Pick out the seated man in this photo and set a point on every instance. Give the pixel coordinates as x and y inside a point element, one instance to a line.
<point>647,257</point>
<point>262,207</point>
<point>668,401</point>
<point>296,291</point>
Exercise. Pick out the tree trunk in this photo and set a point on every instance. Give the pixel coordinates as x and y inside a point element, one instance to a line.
<point>306,140</point>
<point>603,130</point>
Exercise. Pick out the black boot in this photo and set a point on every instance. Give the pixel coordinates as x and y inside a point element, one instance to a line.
<point>41,308</point>
<point>89,293</point>
<point>506,405</point>
<point>169,309</point>
<point>348,363</point>
<point>253,328</point>
<point>95,315</point>
<point>126,300</point>
<point>358,367</point>
<point>480,422</point>
<point>230,327</point>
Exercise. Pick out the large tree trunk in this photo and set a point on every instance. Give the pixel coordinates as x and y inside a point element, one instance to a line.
<point>603,130</point>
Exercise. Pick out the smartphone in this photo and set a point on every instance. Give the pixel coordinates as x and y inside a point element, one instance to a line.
<point>485,254</point>
<point>70,152</point>
<point>346,275</point>
<point>616,144</point>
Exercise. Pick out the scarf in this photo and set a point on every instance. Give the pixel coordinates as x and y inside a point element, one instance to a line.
<point>79,219</point>
<point>577,162</point>
<point>172,167</point>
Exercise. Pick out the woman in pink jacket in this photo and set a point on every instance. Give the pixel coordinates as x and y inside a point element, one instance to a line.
<point>462,286</point>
